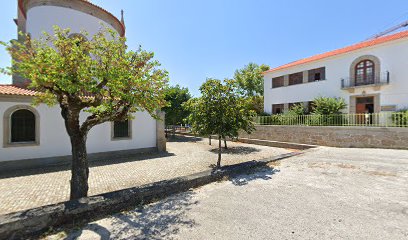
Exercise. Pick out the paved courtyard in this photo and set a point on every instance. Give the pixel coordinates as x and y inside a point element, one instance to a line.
<point>327,193</point>
<point>29,189</point>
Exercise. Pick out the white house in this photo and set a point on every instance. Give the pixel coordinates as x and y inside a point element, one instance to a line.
<point>36,136</point>
<point>371,76</point>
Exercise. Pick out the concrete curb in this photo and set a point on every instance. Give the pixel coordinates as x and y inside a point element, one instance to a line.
<point>36,221</point>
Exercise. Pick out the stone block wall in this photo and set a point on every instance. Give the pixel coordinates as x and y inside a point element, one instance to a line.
<point>359,137</point>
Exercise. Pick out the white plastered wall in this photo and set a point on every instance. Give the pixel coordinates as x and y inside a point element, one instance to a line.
<point>392,55</point>
<point>44,18</point>
<point>54,140</point>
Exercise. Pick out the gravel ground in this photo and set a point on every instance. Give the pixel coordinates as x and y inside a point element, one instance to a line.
<point>327,193</point>
<point>28,189</point>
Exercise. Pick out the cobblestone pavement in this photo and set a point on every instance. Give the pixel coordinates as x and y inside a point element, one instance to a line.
<point>29,189</point>
<point>326,193</point>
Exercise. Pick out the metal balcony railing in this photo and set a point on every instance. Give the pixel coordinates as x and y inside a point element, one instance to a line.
<point>381,79</point>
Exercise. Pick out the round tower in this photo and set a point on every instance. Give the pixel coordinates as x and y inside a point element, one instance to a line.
<point>37,16</point>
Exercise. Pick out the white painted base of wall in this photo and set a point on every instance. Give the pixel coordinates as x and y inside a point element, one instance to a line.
<point>54,140</point>
<point>7,166</point>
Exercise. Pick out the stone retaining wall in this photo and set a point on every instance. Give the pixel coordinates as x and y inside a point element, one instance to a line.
<point>359,137</point>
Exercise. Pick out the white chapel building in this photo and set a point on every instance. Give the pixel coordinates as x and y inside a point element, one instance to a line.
<point>36,136</point>
<point>371,76</point>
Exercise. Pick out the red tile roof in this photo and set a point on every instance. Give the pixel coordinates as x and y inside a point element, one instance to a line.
<point>7,89</point>
<point>351,48</point>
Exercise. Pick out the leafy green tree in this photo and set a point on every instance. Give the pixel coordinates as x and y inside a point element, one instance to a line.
<point>257,104</point>
<point>175,97</point>
<point>328,105</point>
<point>250,80</point>
<point>100,77</point>
<point>220,111</point>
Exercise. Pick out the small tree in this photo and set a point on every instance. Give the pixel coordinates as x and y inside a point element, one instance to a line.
<point>250,84</point>
<point>327,111</point>
<point>249,79</point>
<point>175,96</point>
<point>328,105</point>
<point>97,76</point>
<point>256,103</point>
<point>220,111</point>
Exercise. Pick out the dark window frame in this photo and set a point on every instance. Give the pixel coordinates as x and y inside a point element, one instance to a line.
<point>119,134</point>
<point>310,106</point>
<point>278,82</point>
<point>295,78</point>
<point>365,77</point>
<point>312,74</point>
<point>279,106</point>
<point>22,127</point>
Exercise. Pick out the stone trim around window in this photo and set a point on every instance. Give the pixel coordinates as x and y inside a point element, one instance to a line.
<point>7,127</point>
<point>113,138</point>
<point>374,59</point>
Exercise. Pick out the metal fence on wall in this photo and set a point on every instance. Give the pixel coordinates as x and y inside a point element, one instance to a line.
<point>383,119</point>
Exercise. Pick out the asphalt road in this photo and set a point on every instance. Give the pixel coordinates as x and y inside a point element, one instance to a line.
<point>327,193</point>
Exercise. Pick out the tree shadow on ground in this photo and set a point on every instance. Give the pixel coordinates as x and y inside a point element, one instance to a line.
<point>103,232</point>
<point>92,163</point>
<point>264,173</point>
<point>160,220</point>
<point>240,150</point>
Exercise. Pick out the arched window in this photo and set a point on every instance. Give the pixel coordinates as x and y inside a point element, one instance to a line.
<point>23,126</point>
<point>364,72</point>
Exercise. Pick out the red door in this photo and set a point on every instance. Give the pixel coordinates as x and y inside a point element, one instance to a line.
<point>364,107</point>
<point>360,110</point>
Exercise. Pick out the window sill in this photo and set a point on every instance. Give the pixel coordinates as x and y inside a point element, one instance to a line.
<point>121,138</point>
<point>22,144</point>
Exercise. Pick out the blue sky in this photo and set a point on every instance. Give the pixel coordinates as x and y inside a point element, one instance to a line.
<point>212,38</point>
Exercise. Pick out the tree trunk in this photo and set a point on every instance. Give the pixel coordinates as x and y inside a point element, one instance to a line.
<point>219,152</point>
<point>225,143</point>
<point>80,168</point>
<point>209,139</point>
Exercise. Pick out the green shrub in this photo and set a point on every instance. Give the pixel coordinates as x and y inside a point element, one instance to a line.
<point>400,118</point>
<point>263,114</point>
<point>297,109</point>
<point>328,105</point>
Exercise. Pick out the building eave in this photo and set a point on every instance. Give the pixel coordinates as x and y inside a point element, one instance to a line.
<point>348,49</point>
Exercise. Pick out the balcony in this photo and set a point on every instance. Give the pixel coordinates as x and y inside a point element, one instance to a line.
<point>376,81</point>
